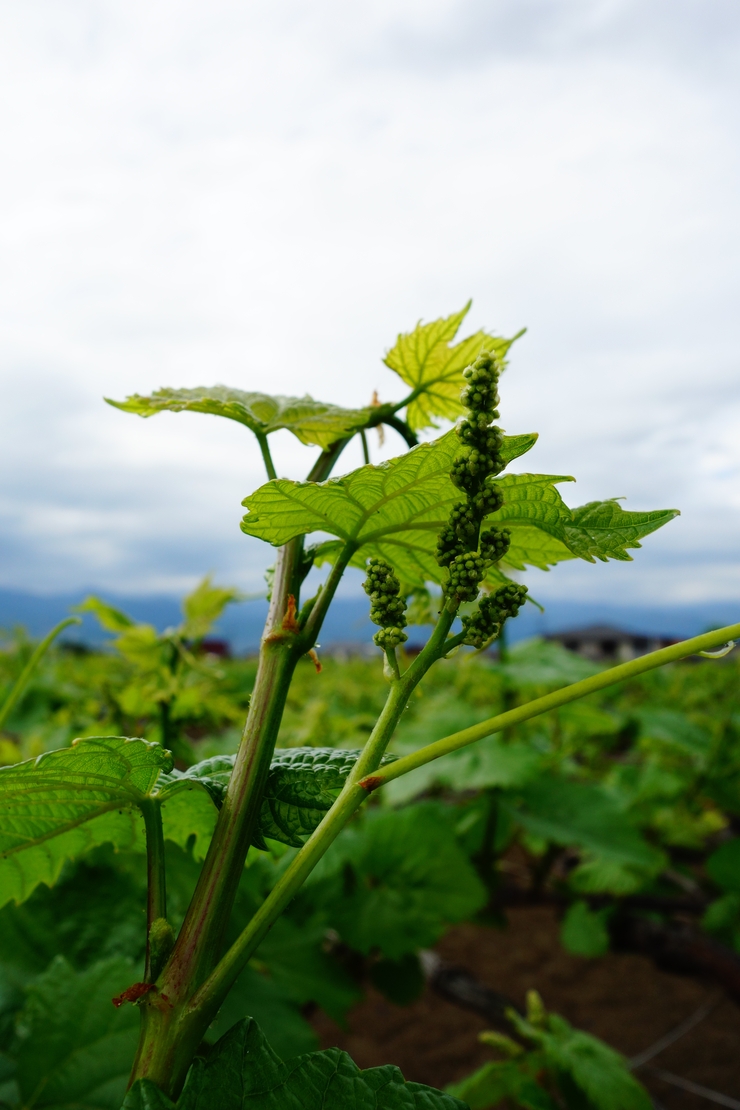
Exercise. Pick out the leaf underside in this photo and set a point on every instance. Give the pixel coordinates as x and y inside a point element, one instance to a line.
<point>312,422</point>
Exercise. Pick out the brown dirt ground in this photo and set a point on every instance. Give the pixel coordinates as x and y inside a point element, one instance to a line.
<point>623,999</point>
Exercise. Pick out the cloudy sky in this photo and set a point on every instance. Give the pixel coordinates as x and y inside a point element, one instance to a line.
<point>264,194</point>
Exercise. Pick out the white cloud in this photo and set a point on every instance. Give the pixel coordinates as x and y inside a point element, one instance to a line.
<point>265,194</point>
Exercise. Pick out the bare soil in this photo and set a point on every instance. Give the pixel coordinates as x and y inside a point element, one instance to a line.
<point>624,999</point>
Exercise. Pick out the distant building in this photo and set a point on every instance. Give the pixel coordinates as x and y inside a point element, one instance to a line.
<point>605,644</point>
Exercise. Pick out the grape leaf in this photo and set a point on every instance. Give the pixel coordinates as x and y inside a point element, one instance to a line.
<point>502,1079</point>
<point>302,785</point>
<point>604,530</point>
<point>532,547</point>
<point>424,360</point>
<point>409,880</point>
<point>75,1048</point>
<point>571,813</point>
<point>533,499</point>
<point>204,606</point>
<point>586,1063</point>
<point>584,932</point>
<point>312,422</point>
<point>243,1073</point>
<point>24,870</point>
<point>60,790</point>
<point>394,510</point>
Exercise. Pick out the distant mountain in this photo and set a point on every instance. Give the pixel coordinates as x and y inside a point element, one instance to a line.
<point>348,621</point>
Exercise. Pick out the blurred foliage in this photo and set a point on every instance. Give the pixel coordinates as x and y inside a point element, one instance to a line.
<point>633,791</point>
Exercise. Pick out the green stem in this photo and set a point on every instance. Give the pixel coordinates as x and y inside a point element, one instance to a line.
<point>214,990</point>
<point>365,450</point>
<point>156,898</point>
<point>320,608</point>
<point>30,667</point>
<point>266,456</point>
<point>551,701</point>
<point>199,942</point>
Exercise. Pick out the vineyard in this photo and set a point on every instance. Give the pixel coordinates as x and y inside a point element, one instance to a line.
<point>614,816</point>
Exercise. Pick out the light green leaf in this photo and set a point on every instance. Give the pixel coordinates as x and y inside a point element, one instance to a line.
<point>396,502</point>
<point>60,790</point>
<point>24,870</point>
<point>597,1071</point>
<point>604,530</point>
<point>601,876</point>
<point>204,606</point>
<point>112,619</point>
<point>531,547</point>
<point>312,422</point>
<point>584,932</point>
<point>533,499</point>
<point>76,1048</point>
<point>499,1080</point>
<point>425,360</point>
<point>243,1073</point>
<point>394,510</point>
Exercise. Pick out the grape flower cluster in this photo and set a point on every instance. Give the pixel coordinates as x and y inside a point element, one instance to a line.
<point>461,547</point>
<point>387,607</point>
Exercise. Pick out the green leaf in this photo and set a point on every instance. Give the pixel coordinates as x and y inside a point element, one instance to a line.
<point>64,803</point>
<point>533,499</point>
<point>608,876</point>
<point>60,790</point>
<point>545,663</point>
<point>312,422</point>
<point>500,1080</point>
<point>243,1073</point>
<point>670,726</point>
<point>75,1047</point>
<point>604,530</point>
<point>302,785</point>
<point>112,619</point>
<point>394,510</point>
<point>407,880</point>
<point>297,964</point>
<point>599,1072</point>
<point>24,870</point>
<point>531,547</point>
<point>425,360</point>
<point>92,913</point>
<point>584,814</point>
<point>723,866</point>
<point>584,932</point>
<point>273,1006</point>
<point>204,606</point>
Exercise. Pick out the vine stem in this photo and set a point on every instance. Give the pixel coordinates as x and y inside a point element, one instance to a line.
<point>551,701</point>
<point>30,667</point>
<point>266,456</point>
<point>156,898</point>
<point>209,997</point>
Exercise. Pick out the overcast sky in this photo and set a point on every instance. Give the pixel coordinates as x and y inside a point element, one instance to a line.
<point>264,194</point>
